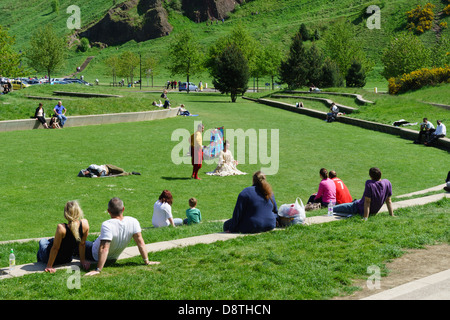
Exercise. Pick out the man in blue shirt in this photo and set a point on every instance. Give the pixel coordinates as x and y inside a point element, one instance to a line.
<point>60,112</point>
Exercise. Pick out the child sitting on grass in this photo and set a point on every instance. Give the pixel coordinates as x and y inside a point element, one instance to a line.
<point>193,214</point>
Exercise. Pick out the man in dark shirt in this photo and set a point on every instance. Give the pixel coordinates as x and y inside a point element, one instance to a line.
<point>377,191</point>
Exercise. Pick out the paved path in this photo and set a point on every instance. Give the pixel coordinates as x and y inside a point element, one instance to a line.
<point>434,287</point>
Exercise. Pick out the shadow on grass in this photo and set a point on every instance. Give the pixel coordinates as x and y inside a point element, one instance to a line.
<point>176,178</point>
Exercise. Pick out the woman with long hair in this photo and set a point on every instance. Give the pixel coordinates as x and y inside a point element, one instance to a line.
<point>162,211</point>
<point>68,238</point>
<point>255,209</point>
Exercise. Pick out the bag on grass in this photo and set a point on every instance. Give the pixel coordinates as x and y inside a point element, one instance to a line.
<point>293,213</point>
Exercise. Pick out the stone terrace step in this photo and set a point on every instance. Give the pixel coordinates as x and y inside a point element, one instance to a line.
<point>130,252</point>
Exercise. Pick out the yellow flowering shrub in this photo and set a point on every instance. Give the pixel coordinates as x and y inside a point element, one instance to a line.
<point>418,79</point>
<point>420,19</point>
<point>447,10</point>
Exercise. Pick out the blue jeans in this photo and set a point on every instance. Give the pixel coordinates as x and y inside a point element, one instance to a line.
<point>62,118</point>
<point>350,208</point>
<point>45,245</point>
<point>178,221</point>
<point>88,251</point>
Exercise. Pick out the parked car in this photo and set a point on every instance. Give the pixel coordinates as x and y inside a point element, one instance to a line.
<point>33,81</point>
<point>75,80</point>
<point>183,87</point>
<point>19,84</point>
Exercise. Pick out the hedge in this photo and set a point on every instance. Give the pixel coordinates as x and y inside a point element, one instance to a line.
<point>418,79</point>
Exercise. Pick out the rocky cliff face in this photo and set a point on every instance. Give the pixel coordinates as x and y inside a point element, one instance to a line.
<point>204,10</point>
<point>142,20</point>
<point>132,20</point>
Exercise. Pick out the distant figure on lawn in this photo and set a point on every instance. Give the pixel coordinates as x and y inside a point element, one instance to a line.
<point>162,211</point>
<point>255,210</point>
<point>447,182</point>
<point>326,191</point>
<point>104,170</point>
<point>440,132</point>
<point>70,238</point>
<point>60,112</point>
<point>333,113</point>
<point>377,191</point>
<point>115,234</point>
<point>426,128</point>
<point>182,111</point>
<point>39,115</point>
<point>197,151</point>
<point>193,214</point>
<point>342,193</point>
<point>227,166</point>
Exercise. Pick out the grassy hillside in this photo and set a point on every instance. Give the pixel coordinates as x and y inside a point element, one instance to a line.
<point>269,21</point>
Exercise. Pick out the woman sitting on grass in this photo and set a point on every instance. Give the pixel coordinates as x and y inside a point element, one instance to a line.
<point>255,210</point>
<point>68,236</point>
<point>162,212</point>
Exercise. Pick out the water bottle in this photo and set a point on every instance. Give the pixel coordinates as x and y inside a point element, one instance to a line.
<point>330,208</point>
<point>12,260</point>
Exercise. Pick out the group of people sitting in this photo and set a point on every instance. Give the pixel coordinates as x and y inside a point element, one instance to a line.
<point>255,211</point>
<point>430,133</point>
<point>57,120</point>
<point>332,191</point>
<point>71,238</point>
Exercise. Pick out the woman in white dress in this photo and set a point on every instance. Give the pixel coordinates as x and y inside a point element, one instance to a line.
<point>227,164</point>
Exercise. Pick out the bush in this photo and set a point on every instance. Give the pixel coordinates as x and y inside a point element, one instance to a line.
<point>447,9</point>
<point>405,53</point>
<point>420,19</point>
<point>356,77</point>
<point>331,77</point>
<point>418,79</point>
<point>84,45</point>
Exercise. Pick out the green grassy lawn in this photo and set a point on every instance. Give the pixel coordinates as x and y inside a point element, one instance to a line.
<point>314,262</point>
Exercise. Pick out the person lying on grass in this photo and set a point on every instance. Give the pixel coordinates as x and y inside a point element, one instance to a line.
<point>104,170</point>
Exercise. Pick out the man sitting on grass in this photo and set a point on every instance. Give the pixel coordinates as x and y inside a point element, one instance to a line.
<point>376,192</point>
<point>114,237</point>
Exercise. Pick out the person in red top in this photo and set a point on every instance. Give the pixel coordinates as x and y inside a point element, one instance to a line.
<point>342,193</point>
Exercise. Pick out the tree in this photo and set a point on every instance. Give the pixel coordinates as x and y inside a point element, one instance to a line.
<point>84,45</point>
<point>113,63</point>
<point>356,77</point>
<point>47,50</point>
<point>268,62</point>
<point>293,70</point>
<point>304,31</point>
<point>231,73</point>
<point>128,63</point>
<point>241,39</point>
<point>149,65</point>
<point>185,56</point>
<point>10,62</point>
<point>331,77</point>
<point>342,47</point>
<point>314,62</point>
<point>405,53</point>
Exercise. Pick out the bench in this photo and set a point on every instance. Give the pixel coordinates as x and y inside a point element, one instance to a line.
<point>404,133</point>
<point>76,121</point>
